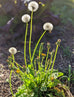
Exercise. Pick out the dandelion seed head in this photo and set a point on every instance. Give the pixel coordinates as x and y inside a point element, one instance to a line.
<point>33,6</point>
<point>25,18</point>
<point>13,50</point>
<point>48,26</point>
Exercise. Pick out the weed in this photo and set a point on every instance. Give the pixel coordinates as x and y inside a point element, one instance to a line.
<point>38,76</point>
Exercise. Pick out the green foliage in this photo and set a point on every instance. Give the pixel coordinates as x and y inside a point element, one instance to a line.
<point>64,8</point>
<point>3,20</point>
<point>38,84</point>
<point>66,52</point>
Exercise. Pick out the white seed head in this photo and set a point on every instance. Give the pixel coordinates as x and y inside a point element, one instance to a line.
<point>48,26</point>
<point>33,6</point>
<point>25,18</point>
<point>13,50</point>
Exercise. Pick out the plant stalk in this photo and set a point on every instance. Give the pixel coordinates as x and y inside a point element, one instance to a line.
<point>54,58</point>
<point>10,83</point>
<point>46,58</point>
<point>37,46</point>
<point>30,35</point>
<point>25,44</point>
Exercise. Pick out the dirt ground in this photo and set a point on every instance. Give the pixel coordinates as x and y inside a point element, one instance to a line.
<point>62,62</point>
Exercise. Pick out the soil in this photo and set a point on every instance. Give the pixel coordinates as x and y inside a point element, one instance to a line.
<point>66,34</point>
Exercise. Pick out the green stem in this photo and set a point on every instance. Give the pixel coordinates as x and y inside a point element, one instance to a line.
<point>18,65</point>
<point>54,59</point>
<point>39,55</point>
<point>37,46</point>
<point>35,64</point>
<point>46,58</point>
<point>50,62</point>
<point>40,51</point>
<point>69,76</point>
<point>25,44</point>
<point>11,84</point>
<point>13,60</point>
<point>42,61</point>
<point>30,35</point>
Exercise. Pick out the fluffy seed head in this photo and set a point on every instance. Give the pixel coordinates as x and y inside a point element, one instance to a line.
<point>33,6</point>
<point>25,18</point>
<point>13,50</point>
<point>48,26</point>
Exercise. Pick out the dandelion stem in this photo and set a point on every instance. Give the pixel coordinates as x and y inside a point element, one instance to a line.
<point>37,46</point>
<point>42,61</point>
<point>35,64</point>
<point>30,35</point>
<point>18,65</point>
<point>25,44</point>
<point>46,58</point>
<point>50,62</point>
<point>10,83</point>
<point>40,51</point>
<point>13,60</point>
<point>54,58</point>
